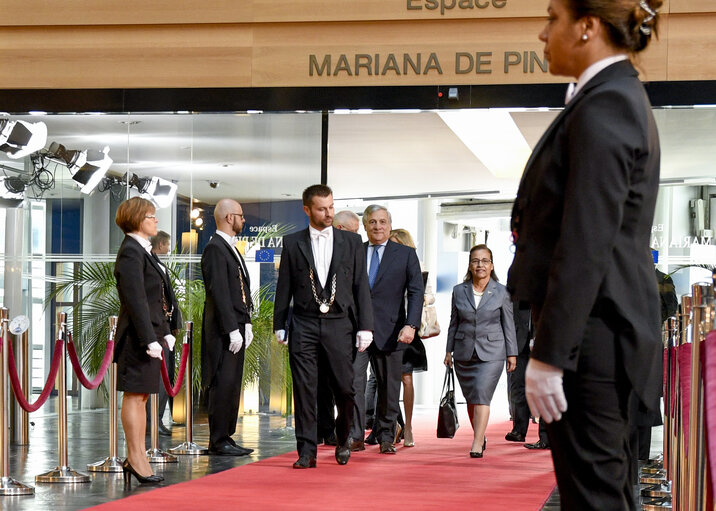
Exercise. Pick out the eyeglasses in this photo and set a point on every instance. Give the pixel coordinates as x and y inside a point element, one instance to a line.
<point>478,262</point>
<point>237,214</point>
<point>151,216</point>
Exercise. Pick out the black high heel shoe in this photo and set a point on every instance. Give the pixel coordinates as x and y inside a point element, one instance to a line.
<point>475,454</point>
<point>129,471</point>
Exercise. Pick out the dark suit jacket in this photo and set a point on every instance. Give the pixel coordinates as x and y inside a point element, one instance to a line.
<point>399,277</point>
<point>175,322</point>
<point>582,221</point>
<point>488,330</point>
<point>347,263</point>
<point>224,307</point>
<point>140,285</point>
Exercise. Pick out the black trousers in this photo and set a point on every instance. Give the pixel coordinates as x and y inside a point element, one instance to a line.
<point>163,396</point>
<point>387,368</point>
<point>310,339</point>
<point>590,444</point>
<point>326,402</point>
<point>223,397</point>
<point>518,400</point>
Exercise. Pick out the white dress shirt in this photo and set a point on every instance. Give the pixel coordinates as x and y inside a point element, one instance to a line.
<point>231,240</point>
<point>369,253</point>
<point>322,248</point>
<point>146,244</point>
<point>591,72</point>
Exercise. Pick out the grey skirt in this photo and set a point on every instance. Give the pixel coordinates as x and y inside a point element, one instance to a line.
<point>478,379</point>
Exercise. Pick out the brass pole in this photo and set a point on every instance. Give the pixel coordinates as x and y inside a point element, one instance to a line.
<point>24,363</point>
<point>188,446</point>
<point>112,463</point>
<point>62,473</point>
<point>685,338</point>
<point>8,485</point>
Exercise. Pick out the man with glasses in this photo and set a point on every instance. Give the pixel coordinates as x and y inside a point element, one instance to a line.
<point>226,327</point>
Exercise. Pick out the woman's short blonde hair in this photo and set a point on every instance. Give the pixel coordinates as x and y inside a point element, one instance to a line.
<point>403,237</point>
<point>131,213</point>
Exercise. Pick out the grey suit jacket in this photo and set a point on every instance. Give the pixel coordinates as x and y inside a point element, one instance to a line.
<point>488,329</point>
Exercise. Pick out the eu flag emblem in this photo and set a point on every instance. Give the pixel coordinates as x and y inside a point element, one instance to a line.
<point>265,255</point>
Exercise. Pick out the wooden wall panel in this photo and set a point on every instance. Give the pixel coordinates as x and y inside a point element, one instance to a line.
<point>154,12</point>
<point>283,51</point>
<point>687,6</point>
<point>692,45</point>
<point>112,57</point>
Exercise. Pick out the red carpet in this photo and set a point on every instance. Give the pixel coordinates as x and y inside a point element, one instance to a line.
<point>436,473</point>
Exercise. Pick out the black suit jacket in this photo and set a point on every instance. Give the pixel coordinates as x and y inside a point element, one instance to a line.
<point>224,307</point>
<point>141,288</point>
<point>347,263</point>
<point>582,221</point>
<point>399,278</point>
<point>175,322</point>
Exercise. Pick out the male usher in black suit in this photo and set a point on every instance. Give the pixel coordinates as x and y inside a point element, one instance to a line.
<point>313,332</point>
<point>227,308</point>
<point>582,221</point>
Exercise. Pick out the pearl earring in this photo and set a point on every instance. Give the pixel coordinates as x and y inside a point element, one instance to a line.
<point>585,37</point>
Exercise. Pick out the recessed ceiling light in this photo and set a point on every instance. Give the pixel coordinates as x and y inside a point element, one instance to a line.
<point>129,123</point>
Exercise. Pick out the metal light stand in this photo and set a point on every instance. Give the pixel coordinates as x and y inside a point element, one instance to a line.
<point>112,463</point>
<point>8,485</point>
<point>702,299</point>
<point>188,447</point>
<point>62,473</point>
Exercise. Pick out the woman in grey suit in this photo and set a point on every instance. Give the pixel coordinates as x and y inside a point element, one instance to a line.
<point>481,336</point>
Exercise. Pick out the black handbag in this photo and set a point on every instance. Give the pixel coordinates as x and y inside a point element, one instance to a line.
<point>447,413</point>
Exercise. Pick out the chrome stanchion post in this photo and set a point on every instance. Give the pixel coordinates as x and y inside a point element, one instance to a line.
<point>63,473</point>
<point>25,384</point>
<point>155,454</point>
<point>188,446</point>
<point>8,485</point>
<point>112,463</point>
<point>702,294</point>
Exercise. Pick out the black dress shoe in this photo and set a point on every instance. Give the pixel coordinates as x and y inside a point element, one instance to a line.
<point>229,450</point>
<point>330,439</point>
<point>356,445</point>
<point>539,444</point>
<point>129,471</point>
<point>163,430</point>
<point>305,462</point>
<point>514,436</point>
<point>343,454</point>
<point>248,450</point>
<point>387,448</point>
<point>475,454</point>
<point>371,439</point>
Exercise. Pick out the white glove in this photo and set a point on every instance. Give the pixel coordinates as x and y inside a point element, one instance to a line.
<point>171,341</point>
<point>235,341</point>
<point>544,390</point>
<point>281,337</point>
<point>249,334</point>
<point>363,339</point>
<point>154,350</point>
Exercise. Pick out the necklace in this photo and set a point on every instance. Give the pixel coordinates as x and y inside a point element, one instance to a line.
<point>323,306</point>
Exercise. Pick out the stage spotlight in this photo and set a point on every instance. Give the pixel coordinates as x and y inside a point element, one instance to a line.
<point>93,170</point>
<point>12,192</point>
<point>87,167</point>
<point>21,138</point>
<point>161,192</point>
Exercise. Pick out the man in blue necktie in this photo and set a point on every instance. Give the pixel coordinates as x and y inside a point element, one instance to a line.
<point>394,277</point>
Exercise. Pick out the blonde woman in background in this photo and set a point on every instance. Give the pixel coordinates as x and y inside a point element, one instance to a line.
<point>414,357</point>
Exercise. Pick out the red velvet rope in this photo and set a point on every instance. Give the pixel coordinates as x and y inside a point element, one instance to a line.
<point>49,384</point>
<point>683,355</point>
<point>106,361</point>
<point>173,391</point>
<point>709,361</point>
